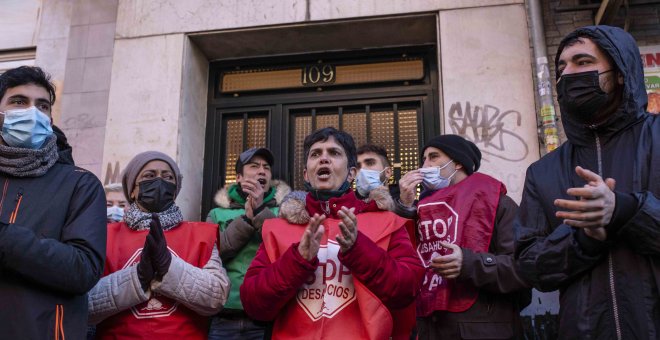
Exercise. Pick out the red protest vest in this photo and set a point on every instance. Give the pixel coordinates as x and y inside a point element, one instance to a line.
<point>160,317</point>
<point>331,304</point>
<point>462,214</point>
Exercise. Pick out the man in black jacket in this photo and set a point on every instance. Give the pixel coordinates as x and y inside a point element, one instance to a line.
<point>589,221</point>
<point>52,218</point>
<point>464,238</point>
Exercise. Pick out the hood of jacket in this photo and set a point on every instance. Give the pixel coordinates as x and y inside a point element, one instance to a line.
<point>228,197</point>
<point>64,150</point>
<point>623,50</point>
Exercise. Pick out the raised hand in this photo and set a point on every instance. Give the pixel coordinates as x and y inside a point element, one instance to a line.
<point>348,227</point>
<point>311,239</point>
<point>594,209</point>
<point>408,187</point>
<point>448,266</point>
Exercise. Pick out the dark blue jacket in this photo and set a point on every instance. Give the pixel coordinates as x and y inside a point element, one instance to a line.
<point>51,254</point>
<point>609,289</point>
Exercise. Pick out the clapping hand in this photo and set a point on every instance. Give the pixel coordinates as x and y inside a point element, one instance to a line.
<point>593,211</point>
<point>255,193</point>
<point>311,239</point>
<point>348,228</point>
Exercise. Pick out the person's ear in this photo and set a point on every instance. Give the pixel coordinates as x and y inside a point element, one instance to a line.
<point>352,172</point>
<point>134,193</point>
<point>388,172</point>
<point>619,78</point>
<point>305,175</point>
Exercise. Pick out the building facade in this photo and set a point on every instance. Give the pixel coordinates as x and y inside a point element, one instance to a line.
<point>202,80</point>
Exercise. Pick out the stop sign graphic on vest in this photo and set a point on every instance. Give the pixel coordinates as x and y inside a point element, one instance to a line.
<point>462,214</point>
<point>331,287</point>
<point>158,305</point>
<point>437,222</point>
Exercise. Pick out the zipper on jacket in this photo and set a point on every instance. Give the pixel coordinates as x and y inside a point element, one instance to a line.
<point>18,200</point>
<point>59,322</point>
<point>610,261</point>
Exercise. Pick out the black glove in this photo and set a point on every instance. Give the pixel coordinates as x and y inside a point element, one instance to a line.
<point>145,269</point>
<point>160,256</point>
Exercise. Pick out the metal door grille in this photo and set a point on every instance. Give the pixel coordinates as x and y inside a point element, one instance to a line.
<point>394,126</point>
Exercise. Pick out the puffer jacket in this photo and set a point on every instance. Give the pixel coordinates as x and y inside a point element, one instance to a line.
<point>609,289</point>
<point>52,249</point>
<point>239,237</point>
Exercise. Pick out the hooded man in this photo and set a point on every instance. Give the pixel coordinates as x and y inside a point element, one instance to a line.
<point>465,240</point>
<point>589,222</point>
<point>243,208</point>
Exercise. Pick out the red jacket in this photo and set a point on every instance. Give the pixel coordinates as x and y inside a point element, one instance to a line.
<point>390,273</point>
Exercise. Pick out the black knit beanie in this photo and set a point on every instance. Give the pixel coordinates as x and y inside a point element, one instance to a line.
<point>459,149</point>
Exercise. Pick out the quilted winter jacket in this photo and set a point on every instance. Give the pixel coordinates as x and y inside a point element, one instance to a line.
<point>610,289</point>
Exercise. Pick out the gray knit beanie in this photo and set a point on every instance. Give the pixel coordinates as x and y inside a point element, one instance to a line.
<point>133,168</point>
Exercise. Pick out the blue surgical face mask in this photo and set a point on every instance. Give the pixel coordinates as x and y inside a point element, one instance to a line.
<point>433,180</point>
<point>26,128</point>
<point>115,213</point>
<point>368,180</point>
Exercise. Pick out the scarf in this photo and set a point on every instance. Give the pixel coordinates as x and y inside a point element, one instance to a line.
<point>325,195</point>
<point>22,162</point>
<point>137,219</point>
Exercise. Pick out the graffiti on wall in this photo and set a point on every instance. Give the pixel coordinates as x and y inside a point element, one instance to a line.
<point>112,174</point>
<point>490,128</point>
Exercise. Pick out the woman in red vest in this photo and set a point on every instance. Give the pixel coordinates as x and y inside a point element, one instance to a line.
<point>163,276</point>
<point>334,266</point>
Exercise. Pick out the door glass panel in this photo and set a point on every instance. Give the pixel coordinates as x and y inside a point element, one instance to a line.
<point>237,141</point>
<point>356,125</point>
<point>233,148</point>
<point>327,121</point>
<point>382,131</point>
<point>408,140</point>
<point>302,128</point>
<point>256,134</point>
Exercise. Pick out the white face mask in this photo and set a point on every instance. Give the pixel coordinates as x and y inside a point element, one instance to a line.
<point>115,213</point>
<point>368,180</point>
<point>26,128</point>
<point>433,180</point>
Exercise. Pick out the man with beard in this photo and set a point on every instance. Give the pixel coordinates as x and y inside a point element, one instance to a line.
<point>589,221</point>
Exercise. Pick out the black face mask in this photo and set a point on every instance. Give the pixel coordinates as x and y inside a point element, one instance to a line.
<point>580,96</point>
<point>156,195</point>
